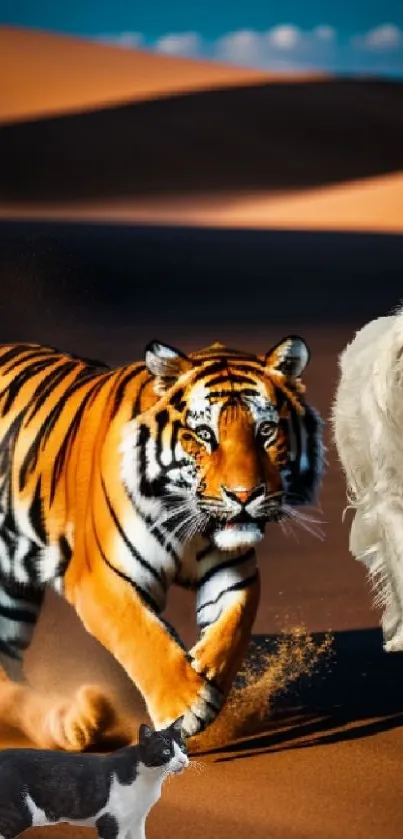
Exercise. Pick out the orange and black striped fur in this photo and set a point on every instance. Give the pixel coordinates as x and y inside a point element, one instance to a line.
<point>115,484</point>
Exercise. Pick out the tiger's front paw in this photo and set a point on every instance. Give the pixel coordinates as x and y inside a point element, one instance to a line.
<point>76,725</point>
<point>203,710</point>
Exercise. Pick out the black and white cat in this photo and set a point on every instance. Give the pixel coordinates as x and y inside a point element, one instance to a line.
<point>113,793</point>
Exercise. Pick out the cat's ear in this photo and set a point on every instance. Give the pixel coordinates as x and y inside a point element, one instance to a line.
<point>288,358</point>
<point>166,364</point>
<point>145,731</point>
<point>177,725</point>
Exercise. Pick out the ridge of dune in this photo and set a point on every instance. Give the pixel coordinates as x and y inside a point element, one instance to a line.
<point>367,205</point>
<point>371,204</point>
<point>49,74</point>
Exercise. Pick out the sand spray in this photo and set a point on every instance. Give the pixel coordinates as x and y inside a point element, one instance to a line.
<point>265,675</point>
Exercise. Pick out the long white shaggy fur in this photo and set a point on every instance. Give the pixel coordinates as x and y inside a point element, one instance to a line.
<point>368,432</point>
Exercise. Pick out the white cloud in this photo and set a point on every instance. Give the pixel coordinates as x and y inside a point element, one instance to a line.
<point>242,47</point>
<point>285,37</point>
<point>127,40</point>
<point>285,47</point>
<point>282,47</point>
<point>325,32</point>
<point>383,38</point>
<point>187,44</point>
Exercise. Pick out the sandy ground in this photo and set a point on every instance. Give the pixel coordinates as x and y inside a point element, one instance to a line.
<point>48,73</point>
<point>319,757</point>
<point>371,205</point>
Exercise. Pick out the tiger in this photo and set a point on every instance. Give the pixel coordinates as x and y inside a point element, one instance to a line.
<point>117,483</point>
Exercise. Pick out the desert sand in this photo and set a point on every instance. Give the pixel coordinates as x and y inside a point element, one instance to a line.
<point>371,205</point>
<point>239,148</point>
<point>312,747</point>
<point>48,73</point>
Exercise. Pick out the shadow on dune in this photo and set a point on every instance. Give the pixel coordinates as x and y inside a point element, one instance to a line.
<point>263,137</point>
<point>358,694</point>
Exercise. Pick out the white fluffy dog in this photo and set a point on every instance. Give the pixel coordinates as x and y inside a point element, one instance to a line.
<point>368,432</point>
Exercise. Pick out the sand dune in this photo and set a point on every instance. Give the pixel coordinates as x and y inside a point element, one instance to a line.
<point>255,153</point>
<point>372,205</point>
<point>53,74</point>
<point>251,139</point>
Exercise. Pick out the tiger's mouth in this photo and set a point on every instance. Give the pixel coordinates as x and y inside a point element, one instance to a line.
<point>237,534</point>
<point>231,532</point>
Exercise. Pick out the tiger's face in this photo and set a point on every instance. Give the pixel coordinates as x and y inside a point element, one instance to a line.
<point>227,444</point>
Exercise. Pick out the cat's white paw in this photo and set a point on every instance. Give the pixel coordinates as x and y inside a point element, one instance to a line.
<point>203,711</point>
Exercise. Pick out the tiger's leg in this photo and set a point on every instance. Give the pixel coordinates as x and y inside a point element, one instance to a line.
<point>114,613</point>
<point>19,612</point>
<point>227,601</point>
<point>48,722</point>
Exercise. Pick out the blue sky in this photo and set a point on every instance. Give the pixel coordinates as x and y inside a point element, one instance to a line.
<point>361,35</point>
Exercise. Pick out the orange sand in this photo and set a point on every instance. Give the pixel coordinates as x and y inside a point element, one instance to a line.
<point>371,205</point>
<point>48,74</point>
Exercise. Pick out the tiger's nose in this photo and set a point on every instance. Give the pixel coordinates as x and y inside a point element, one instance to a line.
<point>243,495</point>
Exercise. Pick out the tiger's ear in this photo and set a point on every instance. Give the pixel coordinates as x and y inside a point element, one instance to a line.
<point>289,358</point>
<point>166,364</point>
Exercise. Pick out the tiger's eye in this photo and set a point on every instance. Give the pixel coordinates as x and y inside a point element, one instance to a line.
<point>266,429</point>
<point>204,433</point>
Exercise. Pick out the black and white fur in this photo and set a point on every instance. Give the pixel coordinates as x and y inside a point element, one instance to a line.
<point>113,793</point>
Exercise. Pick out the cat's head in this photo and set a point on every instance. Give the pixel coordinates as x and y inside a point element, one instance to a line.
<point>164,748</point>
